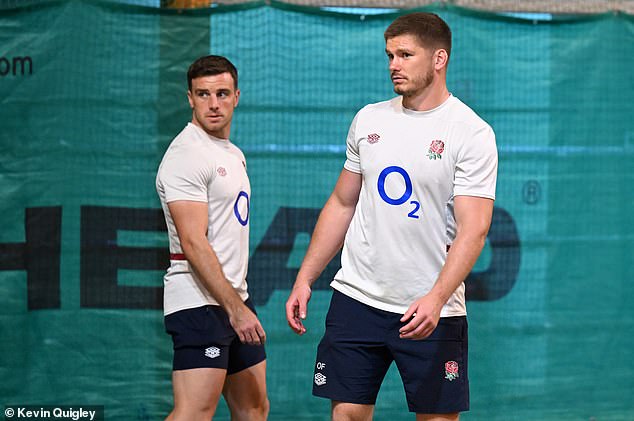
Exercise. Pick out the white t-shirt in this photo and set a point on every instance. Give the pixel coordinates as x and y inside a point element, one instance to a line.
<point>412,164</point>
<point>201,168</point>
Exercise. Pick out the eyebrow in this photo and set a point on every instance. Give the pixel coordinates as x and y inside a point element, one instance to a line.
<point>400,50</point>
<point>203,91</point>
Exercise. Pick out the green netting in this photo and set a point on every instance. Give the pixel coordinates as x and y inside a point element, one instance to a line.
<point>92,92</point>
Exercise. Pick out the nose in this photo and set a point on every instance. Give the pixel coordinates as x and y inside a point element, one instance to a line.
<point>395,64</point>
<point>212,102</point>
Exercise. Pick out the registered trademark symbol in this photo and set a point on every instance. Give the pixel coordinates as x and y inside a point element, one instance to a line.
<point>531,192</point>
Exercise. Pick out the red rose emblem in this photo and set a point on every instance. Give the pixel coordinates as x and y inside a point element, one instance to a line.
<point>221,171</point>
<point>437,146</point>
<point>436,149</point>
<point>451,370</point>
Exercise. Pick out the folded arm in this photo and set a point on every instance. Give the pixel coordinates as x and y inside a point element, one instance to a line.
<point>191,222</point>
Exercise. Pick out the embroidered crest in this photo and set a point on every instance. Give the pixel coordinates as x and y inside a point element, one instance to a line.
<point>435,149</point>
<point>320,379</point>
<point>221,171</point>
<point>212,352</point>
<point>451,370</point>
<point>373,138</point>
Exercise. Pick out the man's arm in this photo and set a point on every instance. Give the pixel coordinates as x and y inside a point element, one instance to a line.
<point>191,222</point>
<point>326,241</point>
<point>473,219</point>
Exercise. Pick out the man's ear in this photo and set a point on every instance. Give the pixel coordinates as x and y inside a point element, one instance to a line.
<point>190,99</point>
<point>441,59</point>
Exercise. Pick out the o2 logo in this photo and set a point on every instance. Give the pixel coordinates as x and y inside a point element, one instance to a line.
<point>406,195</point>
<point>236,211</point>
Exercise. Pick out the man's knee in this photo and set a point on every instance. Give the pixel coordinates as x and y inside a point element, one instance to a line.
<point>256,411</point>
<point>200,411</point>
<point>260,410</point>
<point>342,411</point>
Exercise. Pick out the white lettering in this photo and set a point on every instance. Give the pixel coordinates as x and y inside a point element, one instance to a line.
<point>74,414</point>
<point>28,413</point>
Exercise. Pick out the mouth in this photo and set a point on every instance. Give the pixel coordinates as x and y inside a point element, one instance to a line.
<point>398,78</point>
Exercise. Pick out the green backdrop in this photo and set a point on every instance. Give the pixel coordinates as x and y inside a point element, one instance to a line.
<point>91,94</point>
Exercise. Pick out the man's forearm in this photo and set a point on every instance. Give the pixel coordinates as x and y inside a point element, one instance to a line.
<point>461,258</point>
<point>326,241</point>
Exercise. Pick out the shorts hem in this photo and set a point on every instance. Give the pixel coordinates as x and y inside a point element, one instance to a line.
<point>232,370</point>
<point>345,399</point>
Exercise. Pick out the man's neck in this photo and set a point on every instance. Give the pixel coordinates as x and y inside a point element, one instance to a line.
<point>428,99</point>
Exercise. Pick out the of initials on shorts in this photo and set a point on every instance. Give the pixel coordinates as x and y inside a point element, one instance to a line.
<point>212,352</point>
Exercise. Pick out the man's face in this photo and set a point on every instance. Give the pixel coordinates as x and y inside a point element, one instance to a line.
<point>411,65</point>
<point>213,99</point>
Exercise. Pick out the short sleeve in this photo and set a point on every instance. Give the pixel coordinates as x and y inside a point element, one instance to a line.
<point>476,165</point>
<point>353,162</point>
<point>185,177</point>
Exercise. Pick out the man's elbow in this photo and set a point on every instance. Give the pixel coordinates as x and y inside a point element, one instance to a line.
<point>481,239</point>
<point>475,234</point>
<point>189,246</point>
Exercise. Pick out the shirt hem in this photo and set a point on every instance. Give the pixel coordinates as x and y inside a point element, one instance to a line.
<point>198,304</point>
<point>188,199</point>
<point>336,285</point>
<point>352,169</point>
<point>475,194</point>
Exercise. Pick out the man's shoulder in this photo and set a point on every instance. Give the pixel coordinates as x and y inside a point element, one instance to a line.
<point>187,136</point>
<point>377,109</point>
<point>184,151</point>
<point>386,105</point>
<point>188,142</point>
<point>463,114</point>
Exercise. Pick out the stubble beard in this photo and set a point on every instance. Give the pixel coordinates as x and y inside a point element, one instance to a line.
<point>418,85</point>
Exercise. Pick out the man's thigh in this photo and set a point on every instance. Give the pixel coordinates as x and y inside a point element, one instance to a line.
<point>246,388</point>
<point>244,356</point>
<point>202,338</point>
<point>352,357</point>
<point>434,370</point>
<point>197,390</point>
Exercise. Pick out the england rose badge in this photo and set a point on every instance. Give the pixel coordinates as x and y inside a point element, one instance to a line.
<point>436,149</point>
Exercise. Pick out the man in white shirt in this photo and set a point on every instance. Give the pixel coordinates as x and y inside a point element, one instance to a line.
<point>204,190</point>
<point>412,208</point>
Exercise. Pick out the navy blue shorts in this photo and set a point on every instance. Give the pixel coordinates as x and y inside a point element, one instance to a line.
<point>204,338</point>
<point>360,344</point>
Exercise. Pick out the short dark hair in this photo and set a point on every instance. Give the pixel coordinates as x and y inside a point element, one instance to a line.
<point>211,66</point>
<point>430,30</point>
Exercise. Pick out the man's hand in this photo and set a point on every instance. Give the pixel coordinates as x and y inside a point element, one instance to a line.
<point>473,219</point>
<point>421,318</point>
<point>247,326</point>
<point>296,307</point>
